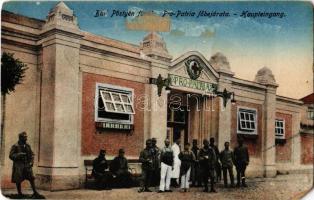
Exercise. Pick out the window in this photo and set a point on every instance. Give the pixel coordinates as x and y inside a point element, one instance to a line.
<point>247,121</point>
<point>113,104</point>
<point>310,114</point>
<point>279,129</point>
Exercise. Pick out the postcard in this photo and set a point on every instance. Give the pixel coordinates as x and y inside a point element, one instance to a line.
<point>157,99</point>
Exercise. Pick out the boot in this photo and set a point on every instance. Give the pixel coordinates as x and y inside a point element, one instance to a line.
<point>243,182</point>
<point>212,188</point>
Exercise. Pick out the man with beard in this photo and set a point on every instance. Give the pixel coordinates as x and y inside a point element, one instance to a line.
<point>120,170</point>
<point>103,177</point>
<point>23,159</point>
<point>156,162</point>
<point>242,159</point>
<point>146,158</point>
<point>207,158</point>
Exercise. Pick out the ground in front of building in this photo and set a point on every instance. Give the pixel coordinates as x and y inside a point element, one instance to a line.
<point>292,186</point>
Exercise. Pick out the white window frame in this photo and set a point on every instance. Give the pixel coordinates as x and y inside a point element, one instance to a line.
<point>310,114</point>
<point>115,89</point>
<point>280,136</point>
<point>248,132</point>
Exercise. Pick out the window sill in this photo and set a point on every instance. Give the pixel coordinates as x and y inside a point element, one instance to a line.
<point>281,141</point>
<point>247,135</point>
<point>113,126</point>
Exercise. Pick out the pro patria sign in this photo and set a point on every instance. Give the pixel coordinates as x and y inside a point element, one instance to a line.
<point>179,81</point>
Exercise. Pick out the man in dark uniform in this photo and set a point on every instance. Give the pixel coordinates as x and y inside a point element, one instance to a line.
<point>207,158</point>
<point>217,165</point>
<point>23,159</point>
<point>156,163</point>
<point>195,171</point>
<point>146,158</point>
<point>227,159</point>
<point>241,157</point>
<point>120,170</point>
<point>103,177</point>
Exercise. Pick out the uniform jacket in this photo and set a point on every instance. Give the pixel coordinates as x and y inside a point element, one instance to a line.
<point>208,162</point>
<point>241,155</point>
<point>23,158</point>
<point>226,158</point>
<point>146,158</point>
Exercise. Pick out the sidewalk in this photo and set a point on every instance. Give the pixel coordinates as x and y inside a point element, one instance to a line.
<point>282,187</point>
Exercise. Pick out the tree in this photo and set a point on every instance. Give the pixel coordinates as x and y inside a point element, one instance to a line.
<point>12,74</point>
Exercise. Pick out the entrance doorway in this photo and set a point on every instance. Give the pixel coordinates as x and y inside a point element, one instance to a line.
<point>177,124</point>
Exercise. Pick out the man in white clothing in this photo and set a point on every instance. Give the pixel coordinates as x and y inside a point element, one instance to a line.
<point>166,158</point>
<point>176,163</point>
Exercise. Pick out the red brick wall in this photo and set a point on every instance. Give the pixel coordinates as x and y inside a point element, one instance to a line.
<point>254,145</point>
<point>283,151</point>
<point>111,140</point>
<point>307,148</point>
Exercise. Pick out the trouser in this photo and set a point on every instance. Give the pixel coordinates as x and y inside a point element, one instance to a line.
<point>146,178</point>
<point>155,177</point>
<point>208,173</point>
<point>195,174</point>
<point>241,167</point>
<point>185,179</point>
<point>165,177</point>
<point>230,171</point>
<point>218,171</point>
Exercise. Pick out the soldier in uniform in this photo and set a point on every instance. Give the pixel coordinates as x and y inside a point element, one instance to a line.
<point>217,165</point>
<point>227,159</point>
<point>195,170</point>
<point>103,177</point>
<point>23,159</point>
<point>146,158</point>
<point>156,163</point>
<point>207,158</point>
<point>120,170</point>
<point>241,157</point>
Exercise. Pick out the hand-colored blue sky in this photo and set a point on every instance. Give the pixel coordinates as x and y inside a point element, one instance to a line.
<point>283,44</point>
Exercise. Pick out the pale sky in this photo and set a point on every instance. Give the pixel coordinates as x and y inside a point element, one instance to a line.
<point>285,45</point>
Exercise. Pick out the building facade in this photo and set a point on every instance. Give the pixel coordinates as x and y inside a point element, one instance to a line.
<point>83,92</point>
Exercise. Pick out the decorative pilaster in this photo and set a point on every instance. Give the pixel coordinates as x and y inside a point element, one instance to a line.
<point>59,126</point>
<point>264,76</point>
<point>222,66</point>
<point>153,48</point>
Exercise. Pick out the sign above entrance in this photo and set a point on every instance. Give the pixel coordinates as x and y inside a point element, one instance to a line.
<point>179,81</point>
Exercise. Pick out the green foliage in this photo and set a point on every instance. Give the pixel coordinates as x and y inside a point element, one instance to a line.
<point>12,73</point>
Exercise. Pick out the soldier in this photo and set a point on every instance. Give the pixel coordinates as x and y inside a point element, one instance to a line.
<point>241,157</point>
<point>23,159</point>
<point>120,169</point>
<point>103,177</point>
<point>195,170</point>
<point>166,158</point>
<point>156,162</point>
<point>207,158</point>
<point>217,165</point>
<point>146,158</point>
<point>227,159</point>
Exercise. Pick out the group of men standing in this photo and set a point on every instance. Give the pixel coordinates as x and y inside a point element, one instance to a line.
<point>159,166</point>
<point>171,166</point>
